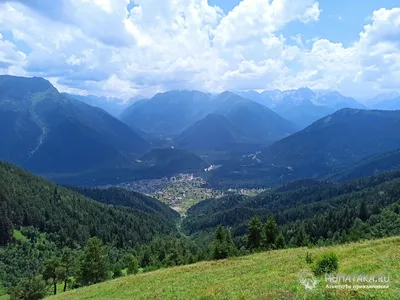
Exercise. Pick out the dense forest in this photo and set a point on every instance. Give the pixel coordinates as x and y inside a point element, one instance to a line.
<point>323,212</point>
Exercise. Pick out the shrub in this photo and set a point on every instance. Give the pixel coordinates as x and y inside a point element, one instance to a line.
<point>309,258</point>
<point>329,263</point>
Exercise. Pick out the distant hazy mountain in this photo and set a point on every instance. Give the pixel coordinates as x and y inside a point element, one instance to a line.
<point>374,102</point>
<point>168,113</point>
<point>113,106</point>
<point>214,132</point>
<point>336,141</point>
<point>389,103</point>
<point>46,132</point>
<point>303,106</point>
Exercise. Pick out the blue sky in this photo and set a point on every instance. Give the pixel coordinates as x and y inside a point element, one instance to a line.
<point>112,48</point>
<point>341,20</point>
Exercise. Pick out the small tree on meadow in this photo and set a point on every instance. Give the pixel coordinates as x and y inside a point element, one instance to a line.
<point>94,264</point>
<point>133,265</point>
<point>54,272</point>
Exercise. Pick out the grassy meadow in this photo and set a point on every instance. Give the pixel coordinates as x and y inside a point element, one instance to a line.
<point>267,275</point>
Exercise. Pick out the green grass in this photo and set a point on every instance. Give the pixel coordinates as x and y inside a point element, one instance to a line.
<point>268,275</point>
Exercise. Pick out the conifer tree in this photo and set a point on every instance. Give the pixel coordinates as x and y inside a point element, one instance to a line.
<point>254,233</point>
<point>270,232</point>
<point>223,246</point>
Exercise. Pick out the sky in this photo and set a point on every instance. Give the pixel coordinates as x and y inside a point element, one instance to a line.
<point>133,48</point>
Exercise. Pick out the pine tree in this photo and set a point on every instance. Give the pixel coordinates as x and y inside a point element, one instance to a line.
<point>218,251</point>
<point>223,245</point>
<point>94,264</point>
<point>270,232</point>
<point>254,233</point>
<point>232,250</point>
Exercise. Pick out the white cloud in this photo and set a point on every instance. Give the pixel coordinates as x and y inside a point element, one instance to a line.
<point>100,47</point>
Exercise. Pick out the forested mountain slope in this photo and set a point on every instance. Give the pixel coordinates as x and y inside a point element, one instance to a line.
<point>70,218</point>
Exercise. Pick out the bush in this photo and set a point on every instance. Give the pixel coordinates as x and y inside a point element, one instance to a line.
<point>30,289</point>
<point>309,258</point>
<point>329,263</point>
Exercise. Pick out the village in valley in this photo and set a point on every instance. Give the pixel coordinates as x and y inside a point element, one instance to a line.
<point>181,191</point>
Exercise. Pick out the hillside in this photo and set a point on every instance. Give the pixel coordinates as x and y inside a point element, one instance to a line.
<point>47,132</point>
<point>268,275</point>
<point>336,208</point>
<point>29,200</point>
<point>156,164</point>
<point>113,106</point>
<point>40,222</point>
<point>173,161</point>
<point>369,166</point>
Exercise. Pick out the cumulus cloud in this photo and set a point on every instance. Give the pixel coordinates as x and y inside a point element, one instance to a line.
<point>124,48</point>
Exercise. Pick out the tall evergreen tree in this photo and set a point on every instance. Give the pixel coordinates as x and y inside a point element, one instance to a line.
<point>254,233</point>
<point>270,232</point>
<point>94,264</point>
<point>223,246</point>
